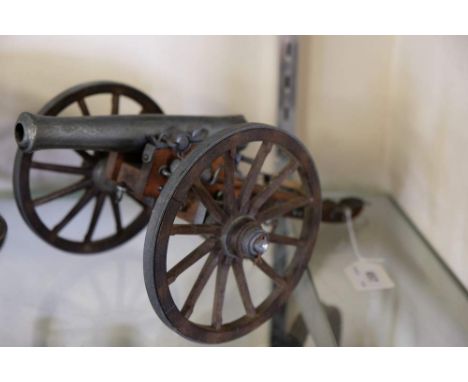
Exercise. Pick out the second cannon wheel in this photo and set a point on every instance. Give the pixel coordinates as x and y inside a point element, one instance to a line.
<point>79,173</point>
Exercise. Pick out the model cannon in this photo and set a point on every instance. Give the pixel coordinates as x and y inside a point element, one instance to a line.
<point>208,178</point>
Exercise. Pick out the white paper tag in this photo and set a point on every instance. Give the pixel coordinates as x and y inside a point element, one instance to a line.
<point>367,275</point>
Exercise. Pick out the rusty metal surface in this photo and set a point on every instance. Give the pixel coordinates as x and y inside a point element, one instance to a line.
<point>24,188</point>
<point>224,245</point>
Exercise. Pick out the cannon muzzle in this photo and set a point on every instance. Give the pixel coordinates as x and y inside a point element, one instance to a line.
<point>123,133</point>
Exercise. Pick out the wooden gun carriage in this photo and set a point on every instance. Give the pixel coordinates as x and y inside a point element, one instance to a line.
<point>213,178</point>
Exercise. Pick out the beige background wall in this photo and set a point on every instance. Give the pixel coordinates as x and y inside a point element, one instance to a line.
<point>378,113</point>
<point>343,99</point>
<point>428,140</point>
<point>390,114</point>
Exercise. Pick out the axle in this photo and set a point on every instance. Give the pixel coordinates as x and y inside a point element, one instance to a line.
<point>127,133</point>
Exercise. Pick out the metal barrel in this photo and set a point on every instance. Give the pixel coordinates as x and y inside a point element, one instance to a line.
<point>121,133</point>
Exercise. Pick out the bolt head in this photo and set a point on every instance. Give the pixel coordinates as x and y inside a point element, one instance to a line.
<point>260,245</point>
<point>182,142</point>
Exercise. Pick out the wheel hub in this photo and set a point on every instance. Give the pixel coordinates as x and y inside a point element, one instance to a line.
<point>101,181</point>
<point>243,236</point>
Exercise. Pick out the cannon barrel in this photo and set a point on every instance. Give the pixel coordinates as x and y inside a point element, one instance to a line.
<point>122,133</point>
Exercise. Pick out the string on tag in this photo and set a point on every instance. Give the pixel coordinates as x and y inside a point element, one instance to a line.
<point>353,240</point>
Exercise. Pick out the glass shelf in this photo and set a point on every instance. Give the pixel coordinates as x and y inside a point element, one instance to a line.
<point>48,297</point>
<point>427,306</point>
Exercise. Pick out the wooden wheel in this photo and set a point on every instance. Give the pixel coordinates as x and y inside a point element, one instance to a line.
<point>233,238</point>
<point>85,176</point>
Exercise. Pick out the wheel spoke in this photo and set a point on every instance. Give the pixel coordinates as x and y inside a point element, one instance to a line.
<point>115,103</point>
<point>241,280</point>
<point>137,200</point>
<point>245,159</point>
<point>285,240</point>
<point>273,226</point>
<point>199,284</point>
<point>269,271</point>
<point>94,219</point>
<point>83,107</point>
<point>82,202</point>
<point>60,168</point>
<point>190,259</point>
<point>220,289</point>
<point>215,211</point>
<point>63,192</point>
<point>283,208</point>
<point>195,229</point>
<point>83,154</point>
<point>117,215</point>
<point>251,179</point>
<point>270,189</point>
<point>228,194</point>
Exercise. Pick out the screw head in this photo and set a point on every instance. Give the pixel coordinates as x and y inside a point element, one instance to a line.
<point>260,245</point>
<point>182,142</point>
